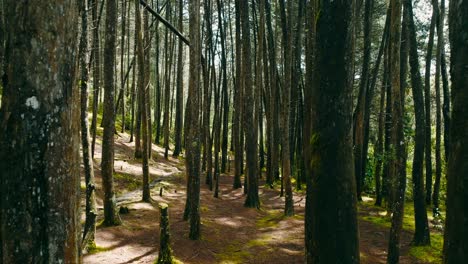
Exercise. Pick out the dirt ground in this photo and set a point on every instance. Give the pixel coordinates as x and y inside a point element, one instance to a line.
<point>231,233</point>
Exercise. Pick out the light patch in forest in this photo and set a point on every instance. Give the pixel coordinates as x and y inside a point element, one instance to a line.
<point>33,102</point>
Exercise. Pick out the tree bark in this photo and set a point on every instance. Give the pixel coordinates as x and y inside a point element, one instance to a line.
<point>90,201</point>
<point>252,200</point>
<point>180,88</point>
<point>39,135</point>
<point>421,234</point>
<point>192,162</point>
<point>332,215</point>
<point>397,158</point>
<point>111,216</point>
<point>456,231</point>
<point>427,103</point>
<point>286,22</point>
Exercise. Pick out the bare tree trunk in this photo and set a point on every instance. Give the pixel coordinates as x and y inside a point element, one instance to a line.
<point>39,135</point>
<point>286,22</point>
<point>252,199</point>
<point>96,73</point>
<point>427,103</point>
<point>90,201</point>
<point>331,199</point>
<point>193,128</point>
<point>111,216</point>
<point>180,88</point>
<point>456,232</point>
<point>421,234</point>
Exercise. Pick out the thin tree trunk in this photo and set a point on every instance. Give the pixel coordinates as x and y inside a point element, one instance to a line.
<point>180,88</point>
<point>427,103</point>
<point>111,216</point>
<point>421,233</point>
<point>90,201</point>
<point>96,73</point>
<point>397,162</point>
<point>252,200</point>
<point>193,128</point>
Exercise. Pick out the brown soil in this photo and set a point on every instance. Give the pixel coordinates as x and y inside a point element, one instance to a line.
<point>231,233</point>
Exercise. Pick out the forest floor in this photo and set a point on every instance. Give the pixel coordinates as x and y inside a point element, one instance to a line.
<point>231,233</point>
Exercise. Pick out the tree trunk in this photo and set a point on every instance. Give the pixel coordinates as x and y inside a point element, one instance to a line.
<point>237,134</point>
<point>252,200</point>
<point>456,230</point>
<point>96,73</point>
<point>39,135</point>
<point>397,158</point>
<point>111,216</point>
<point>180,88</point>
<point>421,234</point>
<point>360,112</point>
<point>438,155</point>
<point>331,194</point>
<point>427,104</point>
<point>286,23</point>
<point>90,201</point>
<point>193,129</point>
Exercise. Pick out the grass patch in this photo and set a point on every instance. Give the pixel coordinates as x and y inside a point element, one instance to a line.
<point>130,182</point>
<point>432,253</point>
<point>232,254</point>
<point>271,219</point>
<point>426,254</point>
<point>94,249</point>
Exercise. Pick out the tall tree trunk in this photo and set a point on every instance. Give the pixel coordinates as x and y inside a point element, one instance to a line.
<point>192,162</point>
<point>332,196</point>
<point>397,160</point>
<point>252,200</point>
<point>421,234</point>
<point>142,86</point>
<point>225,97</point>
<point>360,112</point>
<point>456,230</point>
<point>438,155</point>
<point>90,201</point>
<point>167,90</point>
<point>180,87</point>
<point>237,134</point>
<point>111,216</point>
<point>427,103</point>
<point>96,73</point>
<point>286,22</point>
<point>39,135</point>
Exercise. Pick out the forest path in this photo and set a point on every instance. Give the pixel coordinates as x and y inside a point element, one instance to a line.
<point>231,233</point>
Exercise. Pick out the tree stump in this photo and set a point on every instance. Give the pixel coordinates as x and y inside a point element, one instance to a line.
<point>165,251</point>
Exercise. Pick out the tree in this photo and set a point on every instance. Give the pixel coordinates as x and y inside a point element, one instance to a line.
<point>427,103</point>
<point>331,213</point>
<point>456,232</point>
<point>180,88</point>
<point>142,87</point>
<point>421,234</point>
<point>360,111</point>
<point>252,199</point>
<point>90,202</point>
<point>96,54</point>
<point>286,22</point>
<point>111,216</point>
<point>39,135</point>
<point>192,162</point>
<point>397,156</point>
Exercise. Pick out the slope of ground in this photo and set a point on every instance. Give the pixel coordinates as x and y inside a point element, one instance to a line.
<point>231,233</point>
